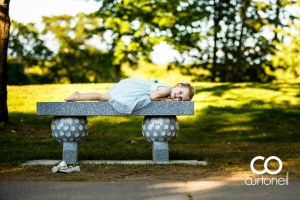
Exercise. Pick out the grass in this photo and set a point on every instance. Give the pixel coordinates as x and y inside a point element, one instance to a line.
<point>232,124</point>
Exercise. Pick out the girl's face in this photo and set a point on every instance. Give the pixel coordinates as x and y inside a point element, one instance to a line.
<point>179,93</point>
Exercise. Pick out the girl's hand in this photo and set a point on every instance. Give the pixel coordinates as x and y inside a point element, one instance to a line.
<point>162,99</point>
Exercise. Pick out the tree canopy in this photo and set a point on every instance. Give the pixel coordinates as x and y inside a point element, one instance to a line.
<point>218,40</point>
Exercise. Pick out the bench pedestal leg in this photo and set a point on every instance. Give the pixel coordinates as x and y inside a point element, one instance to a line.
<point>160,130</point>
<point>70,154</point>
<point>160,152</point>
<point>70,131</point>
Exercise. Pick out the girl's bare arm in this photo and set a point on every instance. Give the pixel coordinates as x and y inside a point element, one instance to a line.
<point>160,95</point>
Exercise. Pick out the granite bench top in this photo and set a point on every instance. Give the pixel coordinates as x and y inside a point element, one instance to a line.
<point>160,108</point>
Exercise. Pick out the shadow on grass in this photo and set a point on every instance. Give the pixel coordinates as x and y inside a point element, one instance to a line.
<point>30,119</point>
<point>111,138</point>
<point>247,124</point>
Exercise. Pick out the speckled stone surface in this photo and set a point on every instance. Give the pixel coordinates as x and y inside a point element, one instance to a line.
<point>70,154</point>
<point>160,124</point>
<point>160,152</point>
<point>105,109</point>
<point>116,162</point>
<point>160,128</point>
<point>69,131</point>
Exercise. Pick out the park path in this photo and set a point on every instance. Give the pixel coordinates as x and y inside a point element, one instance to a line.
<point>164,190</point>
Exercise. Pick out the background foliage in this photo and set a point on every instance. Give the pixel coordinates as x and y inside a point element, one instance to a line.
<point>218,40</point>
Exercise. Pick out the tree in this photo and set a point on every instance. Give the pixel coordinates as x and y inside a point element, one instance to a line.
<point>77,59</point>
<point>231,39</point>
<point>222,37</point>
<point>130,32</point>
<point>219,40</point>
<point>4,37</point>
<point>287,60</point>
<point>26,51</point>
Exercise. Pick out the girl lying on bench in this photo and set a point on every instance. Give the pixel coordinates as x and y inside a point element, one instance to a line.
<point>133,93</point>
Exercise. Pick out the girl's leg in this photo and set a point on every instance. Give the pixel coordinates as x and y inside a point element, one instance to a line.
<point>93,96</point>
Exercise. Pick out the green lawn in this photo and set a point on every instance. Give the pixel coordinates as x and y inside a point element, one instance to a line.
<point>232,124</point>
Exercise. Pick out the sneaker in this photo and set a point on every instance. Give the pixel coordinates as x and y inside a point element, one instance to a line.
<point>70,169</point>
<point>62,164</point>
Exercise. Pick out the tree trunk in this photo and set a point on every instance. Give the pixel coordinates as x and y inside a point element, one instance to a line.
<point>217,18</point>
<point>239,55</point>
<point>4,37</point>
<point>118,72</point>
<point>215,43</point>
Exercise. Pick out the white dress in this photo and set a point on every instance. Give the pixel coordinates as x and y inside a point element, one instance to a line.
<point>132,94</point>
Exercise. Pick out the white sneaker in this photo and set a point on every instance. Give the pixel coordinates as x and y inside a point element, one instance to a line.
<point>70,169</point>
<point>62,164</point>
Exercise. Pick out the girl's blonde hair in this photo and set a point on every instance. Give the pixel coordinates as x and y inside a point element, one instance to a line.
<point>190,87</point>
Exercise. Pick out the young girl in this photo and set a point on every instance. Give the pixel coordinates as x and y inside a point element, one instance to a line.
<point>134,93</point>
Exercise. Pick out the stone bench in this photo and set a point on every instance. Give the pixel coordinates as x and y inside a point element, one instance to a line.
<point>70,126</point>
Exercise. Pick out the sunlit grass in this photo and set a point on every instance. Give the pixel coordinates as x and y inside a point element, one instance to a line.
<point>244,94</point>
<point>24,98</point>
<point>232,124</point>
